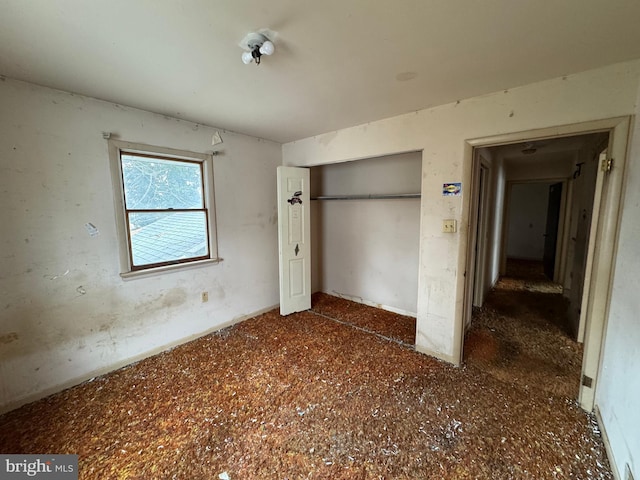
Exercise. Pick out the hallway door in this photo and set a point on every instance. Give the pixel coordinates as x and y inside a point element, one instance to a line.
<point>602,246</point>
<point>551,230</point>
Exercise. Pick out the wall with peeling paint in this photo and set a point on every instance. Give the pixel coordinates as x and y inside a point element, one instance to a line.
<point>440,133</point>
<point>66,314</point>
<point>618,390</point>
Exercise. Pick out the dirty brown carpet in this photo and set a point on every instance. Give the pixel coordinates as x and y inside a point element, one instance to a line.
<point>521,334</point>
<point>305,396</point>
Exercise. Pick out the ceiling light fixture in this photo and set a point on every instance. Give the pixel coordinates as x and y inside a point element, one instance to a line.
<point>256,45</point>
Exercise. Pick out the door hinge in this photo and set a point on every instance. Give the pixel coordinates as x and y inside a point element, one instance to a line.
<point>606,165</point>
<point>587,381</point>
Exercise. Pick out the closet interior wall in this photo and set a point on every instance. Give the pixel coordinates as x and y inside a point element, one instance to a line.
<point>366,249</point>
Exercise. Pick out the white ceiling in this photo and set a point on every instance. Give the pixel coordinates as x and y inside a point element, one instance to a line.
<point>337,63</point>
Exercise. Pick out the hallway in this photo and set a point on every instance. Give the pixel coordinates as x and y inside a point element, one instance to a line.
<point>521,336</point>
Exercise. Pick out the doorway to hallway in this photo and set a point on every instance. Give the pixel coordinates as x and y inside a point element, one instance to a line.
<point>594,248</point>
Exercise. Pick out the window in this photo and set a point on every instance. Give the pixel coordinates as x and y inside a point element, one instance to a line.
<point>165,206</point>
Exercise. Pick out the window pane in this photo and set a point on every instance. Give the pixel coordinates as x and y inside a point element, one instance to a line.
<point>167,236</point>
<point>154,183</point>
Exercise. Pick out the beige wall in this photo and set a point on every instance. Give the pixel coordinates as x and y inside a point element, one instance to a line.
<point>66,314</point>
<point>618,391</point>
<point>441,134</point>
<point>496,185</point>
<point>527,220</point>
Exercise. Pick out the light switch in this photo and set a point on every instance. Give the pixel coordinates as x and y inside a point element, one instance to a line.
<point>449,226</point>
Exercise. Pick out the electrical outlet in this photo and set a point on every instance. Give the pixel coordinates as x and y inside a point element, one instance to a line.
<point>205,297</point>
<point>449,226</point>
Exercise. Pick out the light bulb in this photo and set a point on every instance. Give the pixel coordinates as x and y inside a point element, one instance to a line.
<point>267,48</point>
<point>247,58</point>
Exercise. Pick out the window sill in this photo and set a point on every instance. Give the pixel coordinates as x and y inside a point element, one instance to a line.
<point>149,272</point>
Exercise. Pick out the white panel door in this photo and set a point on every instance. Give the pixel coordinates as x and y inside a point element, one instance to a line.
<point>294,234</point>
<point>600,261</point>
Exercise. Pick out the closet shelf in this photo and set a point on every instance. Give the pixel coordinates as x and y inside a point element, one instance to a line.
<point>372,196</point>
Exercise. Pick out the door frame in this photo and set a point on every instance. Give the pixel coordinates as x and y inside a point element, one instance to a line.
<point>473,219</point>
<point>604,240</point>
<point>480,168</point>
<point>482,225</point>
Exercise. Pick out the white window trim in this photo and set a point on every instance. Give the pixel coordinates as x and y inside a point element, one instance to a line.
<point>118,146</point>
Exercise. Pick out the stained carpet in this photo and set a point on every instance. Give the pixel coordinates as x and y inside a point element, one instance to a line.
<point>521,334</point>
<point>371,320</point>
<point>304,396</point>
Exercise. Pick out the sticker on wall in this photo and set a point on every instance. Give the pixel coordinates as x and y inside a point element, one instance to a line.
<point>452,189</point>
<point>295,199</point>
<point>92,230</point>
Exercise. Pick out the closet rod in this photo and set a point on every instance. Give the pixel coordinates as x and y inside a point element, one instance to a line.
<point>372,196</point>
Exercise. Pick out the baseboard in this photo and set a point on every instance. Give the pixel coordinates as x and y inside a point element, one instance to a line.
<point>370,303</point>
<point>607,445</point>
<point>127,361</point>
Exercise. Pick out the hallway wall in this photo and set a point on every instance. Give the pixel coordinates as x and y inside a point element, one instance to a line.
<point>498,188</point>
<point>527,220</point>
<point>493,211</point>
